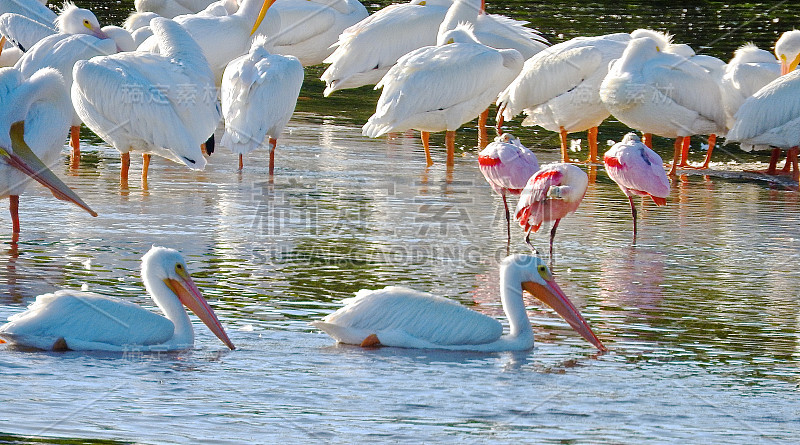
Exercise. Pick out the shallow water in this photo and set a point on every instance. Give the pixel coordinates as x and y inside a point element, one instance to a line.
<point>701,315</point>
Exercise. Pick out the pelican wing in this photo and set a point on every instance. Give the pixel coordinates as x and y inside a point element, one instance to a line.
<point>22,31</point>
<point>61,51</point>
<point>499,31</point>
<point>401,311</point>
<point>258,98</point>
<point>768,111</point>
<point>31,9</point>
<point>301,21</point>
<point>81,317</point>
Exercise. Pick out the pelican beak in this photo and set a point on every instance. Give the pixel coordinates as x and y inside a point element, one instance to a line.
<point>23,159</point>
<point>552,295</point>
<point>191,297</point>
<point>261,14</point>
<point>787,67</point>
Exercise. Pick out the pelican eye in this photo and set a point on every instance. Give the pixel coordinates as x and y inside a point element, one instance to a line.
<point>87,24</point>
<point>179,269</point>
<point>450,40</point>
<point>544,272</point>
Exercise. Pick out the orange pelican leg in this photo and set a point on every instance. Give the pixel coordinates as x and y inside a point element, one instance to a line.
<point>450,144</point>
<point>500,121</point>
<point>773,161</point>
<point>592,136</point>
<point>791,161</point>
<point>272,144</point>
<point>687,141</point>
<point>426,136</point>
<point>241,162</point>
<point>483,135</point>
<point>676,155</point>
<point>13,208</point>
<point>145,168</point>
<point>564,154</point>
<point>647,139</point>
<point>75,143</point>
<point>371,341</point>
<point>123,169</point>
<point>712,142</point>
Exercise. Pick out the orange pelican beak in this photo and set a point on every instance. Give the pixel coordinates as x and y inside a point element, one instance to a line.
<point>552,295</point>
<point>25,160</point>
<point>786,66</point>
<point>191,297</point>
<point>261,14</point>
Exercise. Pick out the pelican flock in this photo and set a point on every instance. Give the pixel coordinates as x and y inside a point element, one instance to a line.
<point>440,65</point>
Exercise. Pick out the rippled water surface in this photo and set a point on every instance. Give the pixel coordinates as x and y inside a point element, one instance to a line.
<point>701,316</point>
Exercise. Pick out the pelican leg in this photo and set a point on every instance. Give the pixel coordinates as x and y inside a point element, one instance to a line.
<point>450,144</point>
<point>773,161</point>
<point>145,167</point>
<point>591,135</point>
<point>125,165</point>
<point>241,162</point>
<point>13,208</point>
<point>687,142</point>
<point>272,144</point>
<point>564,154</point>
<point>791,161</point>
<point>371,341</point>
<point>75,143</point>
<point>676,155</point>
<point>712,142</point>
<point>633,212</point>
<point>647,139</point>
<point>425,137</point>
<point>500,120</point>
<point>483,135</point>
<point>553,236</point>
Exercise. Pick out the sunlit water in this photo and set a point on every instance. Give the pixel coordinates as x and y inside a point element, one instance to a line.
<point>701,315</point>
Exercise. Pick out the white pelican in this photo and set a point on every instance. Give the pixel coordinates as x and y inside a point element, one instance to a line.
<point>259,92</point>
<point>85,321</point>
<point>748,71</point>
<point>439,88</point>
<point>365,51</point>
<point>507,165</point>
<point>222,39</point>
<point>662,93</point>
<point>553,192</point>
<point>171,8</point>
<point>163,104</point>
<point>558,88</point>
<point>402,317</point>
<point>637,170</point>
<point>22,32</point>
<point>34,115</point>
<point>769,117</point>
<point>310,27</point>
<point>32,9</point>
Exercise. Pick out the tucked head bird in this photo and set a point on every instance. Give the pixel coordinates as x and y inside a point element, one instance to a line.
<point>68,319</point>
<point>637,170</point>
<point>555,191</point>
<point>402,317</point>
<point>507,165</point>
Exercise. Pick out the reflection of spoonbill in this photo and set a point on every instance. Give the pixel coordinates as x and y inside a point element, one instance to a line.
<point>637,170</point>
<point>84,321</point>
<point>555,191</point>
<point>154,103</point>
<point>259,93</point>
<point>507,165</point>
<point>42,103</point>
<point>402,317</point>
<point>439,88</point>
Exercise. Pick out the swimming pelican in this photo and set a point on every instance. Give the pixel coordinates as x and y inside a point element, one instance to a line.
<point>86,321</point>
<point>171,8</point>
<point>662,93</point>
<point>222,39</point>
<point>555,191</point>
<point>402,317</point>
<point>163,104</point>
<point>439,88</point>
<point>34,116</point>
<point>769,117</point>
<point>507,165</point>
<point>309,27</point>
<point>259,93</point>
<point>637,170</point>
<point>365,51</point>
<point>559,88</point>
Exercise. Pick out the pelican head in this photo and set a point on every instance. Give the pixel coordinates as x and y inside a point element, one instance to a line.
<point>787,50</point>
<point>536,278</point>
<point>663,39</point>
<point>164,265</point>
<point>463,33</point>
<point>75,20</point>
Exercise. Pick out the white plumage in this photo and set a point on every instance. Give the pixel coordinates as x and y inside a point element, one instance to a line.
<point>772,115</point>
<point>75,320</point>
<point>171,8</point>
<point>402,317</point>
<point>259,93</point>
<point>162,104</point>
